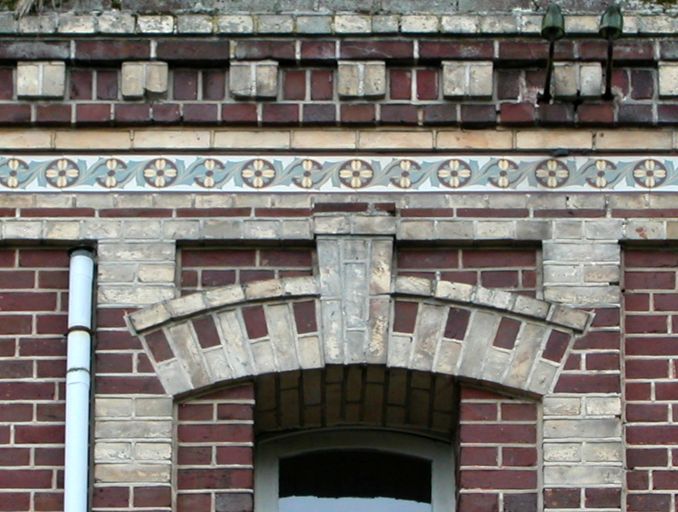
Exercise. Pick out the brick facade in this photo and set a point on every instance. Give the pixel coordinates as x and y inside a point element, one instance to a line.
<point>321,219</point>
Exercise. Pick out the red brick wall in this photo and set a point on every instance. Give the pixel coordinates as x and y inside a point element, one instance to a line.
<point>651,385</point>
<point>206,268</point>
<point>33,320</point>
<point>510,269</point>
<point>214,461</point>
<point>498,463</point>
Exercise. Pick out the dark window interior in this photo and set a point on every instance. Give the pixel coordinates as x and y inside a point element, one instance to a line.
<point>356,481</point>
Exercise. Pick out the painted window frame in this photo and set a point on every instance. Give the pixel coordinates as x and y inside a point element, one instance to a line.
<point>270,451</point>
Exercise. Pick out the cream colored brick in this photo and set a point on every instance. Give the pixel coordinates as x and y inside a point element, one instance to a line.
<point>668,79</point>
<point>112,407</point>
<point>480,139</point>
<point>633,139</point>
<point>325,139</point>
<point>25,139</point>
<point>41,79</point>
<point>540,139</point>
<point>92,139</point>
<point>395,140</point>
<point>133,473</point>
<point>151,273</point>
<point>177,139</point>
<point>232,139</point>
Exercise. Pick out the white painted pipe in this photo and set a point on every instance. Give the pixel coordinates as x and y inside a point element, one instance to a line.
<point>76,466</point>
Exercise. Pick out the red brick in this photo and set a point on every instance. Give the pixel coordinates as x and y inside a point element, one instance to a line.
<point>646,457</point>
<point>58,212</point>
<point>555,114</point>
<point>185,84</point>
<point>134,113</point>
<point>647,413</point>
<point>255,321</point>
<point>405,316</point>
<point>596,113</point>
<point>135,212</point>
<point>13,501</point>
<point>377,49</point>
<point>646,368</point>
<point>81,84</point>
<point>318,50</point>
<point>427,84</point>
<point>193,50</point>
<point>305,317</point>
<point>33,301</point>
<point>518,412</point>
<point>166,113</point>
<point>212,278</point>
<point>502,479</point>
<point>508,84</point>
<point>652,259</point>
<point>500,433</point>
<point>665,480</point>
<point>478,412</point>
<point>635,114</point>
<point>561,498</point>
<point>6,83</point>
<point>515,50</point>
<point>53,114</point>
<point>602,361</point>
<point>399,114</point>
<point>428,259</point>
<point>294,85</point>
<point>666,390</point>
<point>10,114</point>
<point>653,346</point>
<point>506,333</point>
<point>152,496</point>
<point>264,49</point>
<point>521,502</point>
<point>223,478</point>
<point>231,412</point>
<point>646,323</point>
<point>440,114</point>
<point>457,322</point>
<point>14,456</point>
<point>106,497</point>
<point>112,49</point>
<point>322,84</point>
<point>478,115</point>
<point>400,84</point>
<point>315,113</point>
<point>490,258</point>
<point>239,113</point>
<point>667,114</point>
<point>39,434</point>
<point>517,113</point>
<point>206,330</point>
<point>218,257</point>
<point>213,84</point>
<point>645,502</point>
<point>200,113</point>
<point>280,113</point>
<point>358,113</point>
<point>158,345</point>
<point>587,383</point>
<point>556,346</point>
<point>25,479</point>
<point>107,84</point>
<point>478,456</point>
<point>477,502</point>
<point>642,84</point>
<point>462,49</point>
<point>193,502</point>
<point>107,362</point>
<point>115,385</point>
<point>282,212</point>
<point>213,212</point>
<point>652,434</point>
<point>93,113</point>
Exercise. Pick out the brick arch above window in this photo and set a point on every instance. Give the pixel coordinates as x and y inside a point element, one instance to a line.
<point>497,338</point>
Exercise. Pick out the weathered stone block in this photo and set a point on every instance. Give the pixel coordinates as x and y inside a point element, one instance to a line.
<point>141,78</point>
<point>468,79</point>
<point>361,79</point>
<point>41,79</point>
<point>668,79</point>
<point>254,79</point>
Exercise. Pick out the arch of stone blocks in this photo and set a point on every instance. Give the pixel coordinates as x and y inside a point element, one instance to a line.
<point>498,338</point>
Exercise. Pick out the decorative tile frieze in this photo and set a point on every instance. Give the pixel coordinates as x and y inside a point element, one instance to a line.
<point>463,173</point>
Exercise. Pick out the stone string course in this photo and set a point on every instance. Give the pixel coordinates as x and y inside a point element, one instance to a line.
<point>121,23</point>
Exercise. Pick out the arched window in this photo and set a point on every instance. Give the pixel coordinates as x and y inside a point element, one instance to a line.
<point>354,470</point>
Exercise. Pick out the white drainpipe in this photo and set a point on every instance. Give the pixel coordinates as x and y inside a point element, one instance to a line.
<point>76,478</point>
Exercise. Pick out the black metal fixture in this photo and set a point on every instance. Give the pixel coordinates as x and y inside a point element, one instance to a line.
<point>611,27</point>
<point>552,29</point>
